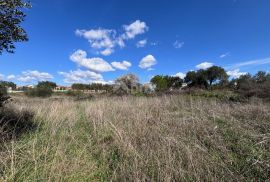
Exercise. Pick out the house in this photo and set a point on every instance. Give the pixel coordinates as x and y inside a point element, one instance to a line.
<point>60,88</point>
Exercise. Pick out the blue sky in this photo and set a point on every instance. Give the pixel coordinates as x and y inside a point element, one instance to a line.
<point>99,40</point>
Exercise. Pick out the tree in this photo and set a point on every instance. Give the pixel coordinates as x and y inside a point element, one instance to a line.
<point>126,84</point>
<point>46,84</point>
<point>78,86</point>
<point>197,78</point>
<point>216,73</point>
<point>261,77</point>
<point>11,16</point>
<point>165,83</point>
<point>8,84</point>
<point>160,83</point>
<point>190,78</point>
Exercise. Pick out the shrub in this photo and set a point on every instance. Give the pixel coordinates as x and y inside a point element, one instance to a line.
<point>39,92</point>
<point>3,95</point>
<point>79,95</point>
<point>14,123</point>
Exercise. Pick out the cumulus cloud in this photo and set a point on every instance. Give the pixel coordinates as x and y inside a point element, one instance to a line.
<point>204,65</point>
<point>121,65</point>
<point>135,28</point>
<point>224,55</point>
<point>101,39</point>
<point>94,64</point>
<point>80,76</point>
<point>178,45</point>
<point>11,77</point>
<point>180,75</point>
<point>141,43</point>
<point>106,40</point>
<point>30,76</point>
<point>236,73</point>
<point>147,62</point>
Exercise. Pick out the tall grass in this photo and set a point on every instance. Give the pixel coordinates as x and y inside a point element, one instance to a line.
<point>169,138</point>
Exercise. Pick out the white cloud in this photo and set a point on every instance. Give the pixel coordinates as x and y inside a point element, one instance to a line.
<point>135,28</point>
<point>180,75</point>
<point>94,64</point>
<point>1,77</point>
<point>11,77</point>
<point>236,73</point>
<point>106,40</point>
<point>250,63</point>
<point>147,62</point>
<point>224,55</point>
<point>204,65</point>
<point>80,76</point>
<point>178,45</point>
<point>30,76</point>
<point>107,52</point>
<point>121,65</point>
<point>141,43</point>
<point>102,40</point>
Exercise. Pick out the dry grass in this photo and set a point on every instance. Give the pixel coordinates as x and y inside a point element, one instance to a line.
<point>174,138</point>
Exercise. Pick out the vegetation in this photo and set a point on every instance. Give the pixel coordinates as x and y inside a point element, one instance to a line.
<point>8,84</point>
<point>166,83</point>
<point>174,138</point>
<point>205,78</point>
<point>3,95</point>
<point>40,91</point>
<point>92,86</point>
<point>257,85</point>
<point>47,84</point>
<point>11,16</point>
<point>127,84</point>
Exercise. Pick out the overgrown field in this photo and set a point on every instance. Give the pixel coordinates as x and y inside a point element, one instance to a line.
<point>168,138</point>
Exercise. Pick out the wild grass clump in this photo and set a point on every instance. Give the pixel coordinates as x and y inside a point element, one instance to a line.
<point>14,123</point>
<point>167,138</point>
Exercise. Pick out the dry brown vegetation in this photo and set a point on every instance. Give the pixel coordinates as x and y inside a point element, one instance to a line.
<point>168,138</point>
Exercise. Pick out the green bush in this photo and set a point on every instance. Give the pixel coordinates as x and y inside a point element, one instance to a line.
<point>39,92</point>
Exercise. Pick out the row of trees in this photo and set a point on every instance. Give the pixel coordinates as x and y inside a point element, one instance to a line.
<point>92,86</point>
<point>257,85</point>
<point>201,78</point>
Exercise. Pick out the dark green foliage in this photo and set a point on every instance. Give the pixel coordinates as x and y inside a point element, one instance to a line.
<point>39,92</point>
<point>93,86</point>
<point>166,83</point>
<point>206,78</point>
<point>11,16</point>
<point>197,79</point>
<point>258,85</point>
<point>46,84</point>
<point>3,95</point>
<point>8,84</point>
<point>215,74</point>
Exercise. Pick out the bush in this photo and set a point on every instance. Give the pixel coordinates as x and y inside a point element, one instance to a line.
<point>39,92</point>
<point>79,95</point>
<point>14,123</point>
<point>3,95</point>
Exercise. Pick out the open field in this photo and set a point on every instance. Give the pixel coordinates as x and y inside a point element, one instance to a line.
<point>168,138</point>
